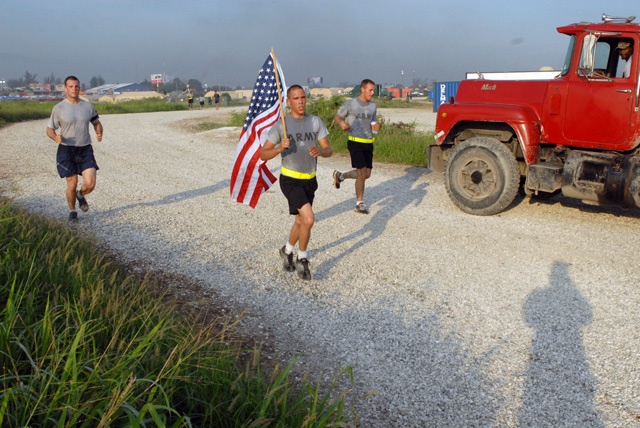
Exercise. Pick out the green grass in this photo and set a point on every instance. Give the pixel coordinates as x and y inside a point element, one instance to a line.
<point>206,126</point>
<point>139,106</point>
<point>20,111</point>
<point>83,344</point>
<point>397,143</point>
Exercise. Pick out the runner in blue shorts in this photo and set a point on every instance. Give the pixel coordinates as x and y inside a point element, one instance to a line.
<point>69,128</point>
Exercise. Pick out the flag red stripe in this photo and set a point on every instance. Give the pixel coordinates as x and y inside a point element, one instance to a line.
<point>255,134</point>
<point>268,178</point>
<point>249,135</point>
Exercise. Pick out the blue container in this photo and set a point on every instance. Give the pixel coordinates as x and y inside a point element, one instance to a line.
<point>443,91</point>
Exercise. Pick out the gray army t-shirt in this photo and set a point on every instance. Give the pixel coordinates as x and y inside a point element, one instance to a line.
<point>73,121</point>
<point>304,133</point>
<point>359,116</point>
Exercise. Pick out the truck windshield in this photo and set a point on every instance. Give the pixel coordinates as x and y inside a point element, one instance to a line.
<point>567,59</point>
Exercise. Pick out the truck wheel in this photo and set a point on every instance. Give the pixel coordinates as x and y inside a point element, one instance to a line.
<point>482,176</point>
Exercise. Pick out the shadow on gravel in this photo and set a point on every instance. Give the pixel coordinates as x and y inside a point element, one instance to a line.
<point>176,197</point>
<point>389,198</point>
<point>559,389</point>
<point>425,373</point>
<point>569,203</point>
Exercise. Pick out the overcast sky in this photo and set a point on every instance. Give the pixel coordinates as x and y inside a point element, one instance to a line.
<point>226,41</point>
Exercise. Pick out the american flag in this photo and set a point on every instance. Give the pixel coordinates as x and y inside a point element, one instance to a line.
<point>250,176</point>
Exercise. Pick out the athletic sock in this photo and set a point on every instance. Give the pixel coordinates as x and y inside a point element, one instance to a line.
<point>288,248</point>
<point>302,255</point>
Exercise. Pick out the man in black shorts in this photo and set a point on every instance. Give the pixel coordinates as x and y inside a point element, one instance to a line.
<point>190,100</point>
<point>71,117</point>
<point>306,139</point>
<point>358,116</point>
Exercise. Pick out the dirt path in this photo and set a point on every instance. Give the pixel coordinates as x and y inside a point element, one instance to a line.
<point>527,318</point>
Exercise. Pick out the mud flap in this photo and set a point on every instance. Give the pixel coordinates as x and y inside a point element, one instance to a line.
<point>437,157</point>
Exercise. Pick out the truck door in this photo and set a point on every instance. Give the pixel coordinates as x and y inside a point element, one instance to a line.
<point>599,104</point>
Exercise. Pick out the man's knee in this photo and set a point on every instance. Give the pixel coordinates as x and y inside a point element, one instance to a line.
<point>364,173</point>
<point>89,179</point>
<point>305,220</point>
<point>72,181</point>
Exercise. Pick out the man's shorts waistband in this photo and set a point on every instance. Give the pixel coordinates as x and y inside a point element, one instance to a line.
<point>295,174</point>
<point>361,140</point>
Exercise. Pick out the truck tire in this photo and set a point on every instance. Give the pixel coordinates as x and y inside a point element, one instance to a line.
<point>482,176</point>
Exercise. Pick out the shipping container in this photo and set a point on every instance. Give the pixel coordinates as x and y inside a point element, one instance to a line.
<point>396,92</point>
<point>443,92</point>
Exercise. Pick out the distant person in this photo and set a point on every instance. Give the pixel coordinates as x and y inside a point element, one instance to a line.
<point>625,50</point>
<point>190,100</point>
<point>306,139</point>
<point>358,116</point>
<point>216,99</point>
<point>201,100</point>
<point>69,127</point>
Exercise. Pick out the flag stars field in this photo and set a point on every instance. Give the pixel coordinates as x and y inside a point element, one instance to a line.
<point>250,176</point>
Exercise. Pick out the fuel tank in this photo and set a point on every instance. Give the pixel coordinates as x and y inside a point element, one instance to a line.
<point>602,178</point>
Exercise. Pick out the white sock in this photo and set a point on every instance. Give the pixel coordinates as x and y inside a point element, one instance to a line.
<point>302,255</point>
<point>288,248</point>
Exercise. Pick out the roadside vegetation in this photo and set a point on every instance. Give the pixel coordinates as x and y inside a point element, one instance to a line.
<point>84,344</point>
<point>20,111</point>
<point>397,143</point>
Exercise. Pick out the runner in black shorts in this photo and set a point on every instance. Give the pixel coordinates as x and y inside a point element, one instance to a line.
<point>358,116</point>
<point>305,140</point>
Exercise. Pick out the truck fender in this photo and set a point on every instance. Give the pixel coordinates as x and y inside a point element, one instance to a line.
<point>453,118</point>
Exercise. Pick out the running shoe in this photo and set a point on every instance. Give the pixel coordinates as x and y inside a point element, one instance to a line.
<point>336,179</point>
<point>287,260</point>
<point>361,208</point>
<point>73,216</point>
<point>302,266</point>
<point>84,206</point>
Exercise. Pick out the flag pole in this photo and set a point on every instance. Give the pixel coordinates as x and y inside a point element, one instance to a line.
<point>275,65</point>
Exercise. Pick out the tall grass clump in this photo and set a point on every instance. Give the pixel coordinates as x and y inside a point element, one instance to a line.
<point>398,143</point>
<point>82,344</point>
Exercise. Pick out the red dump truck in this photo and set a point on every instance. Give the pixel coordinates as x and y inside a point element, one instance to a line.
<point>577,133</point>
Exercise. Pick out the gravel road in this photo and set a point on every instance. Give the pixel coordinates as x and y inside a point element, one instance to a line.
<point>528,318</point>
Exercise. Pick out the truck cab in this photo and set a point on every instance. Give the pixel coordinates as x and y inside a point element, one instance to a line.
<point>577,133</point>
<point>593,104</point>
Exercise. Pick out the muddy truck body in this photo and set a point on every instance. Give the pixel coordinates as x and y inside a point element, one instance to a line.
<point>577,133</point>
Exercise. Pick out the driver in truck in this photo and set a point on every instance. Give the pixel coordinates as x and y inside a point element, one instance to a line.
<point>625,50</point>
